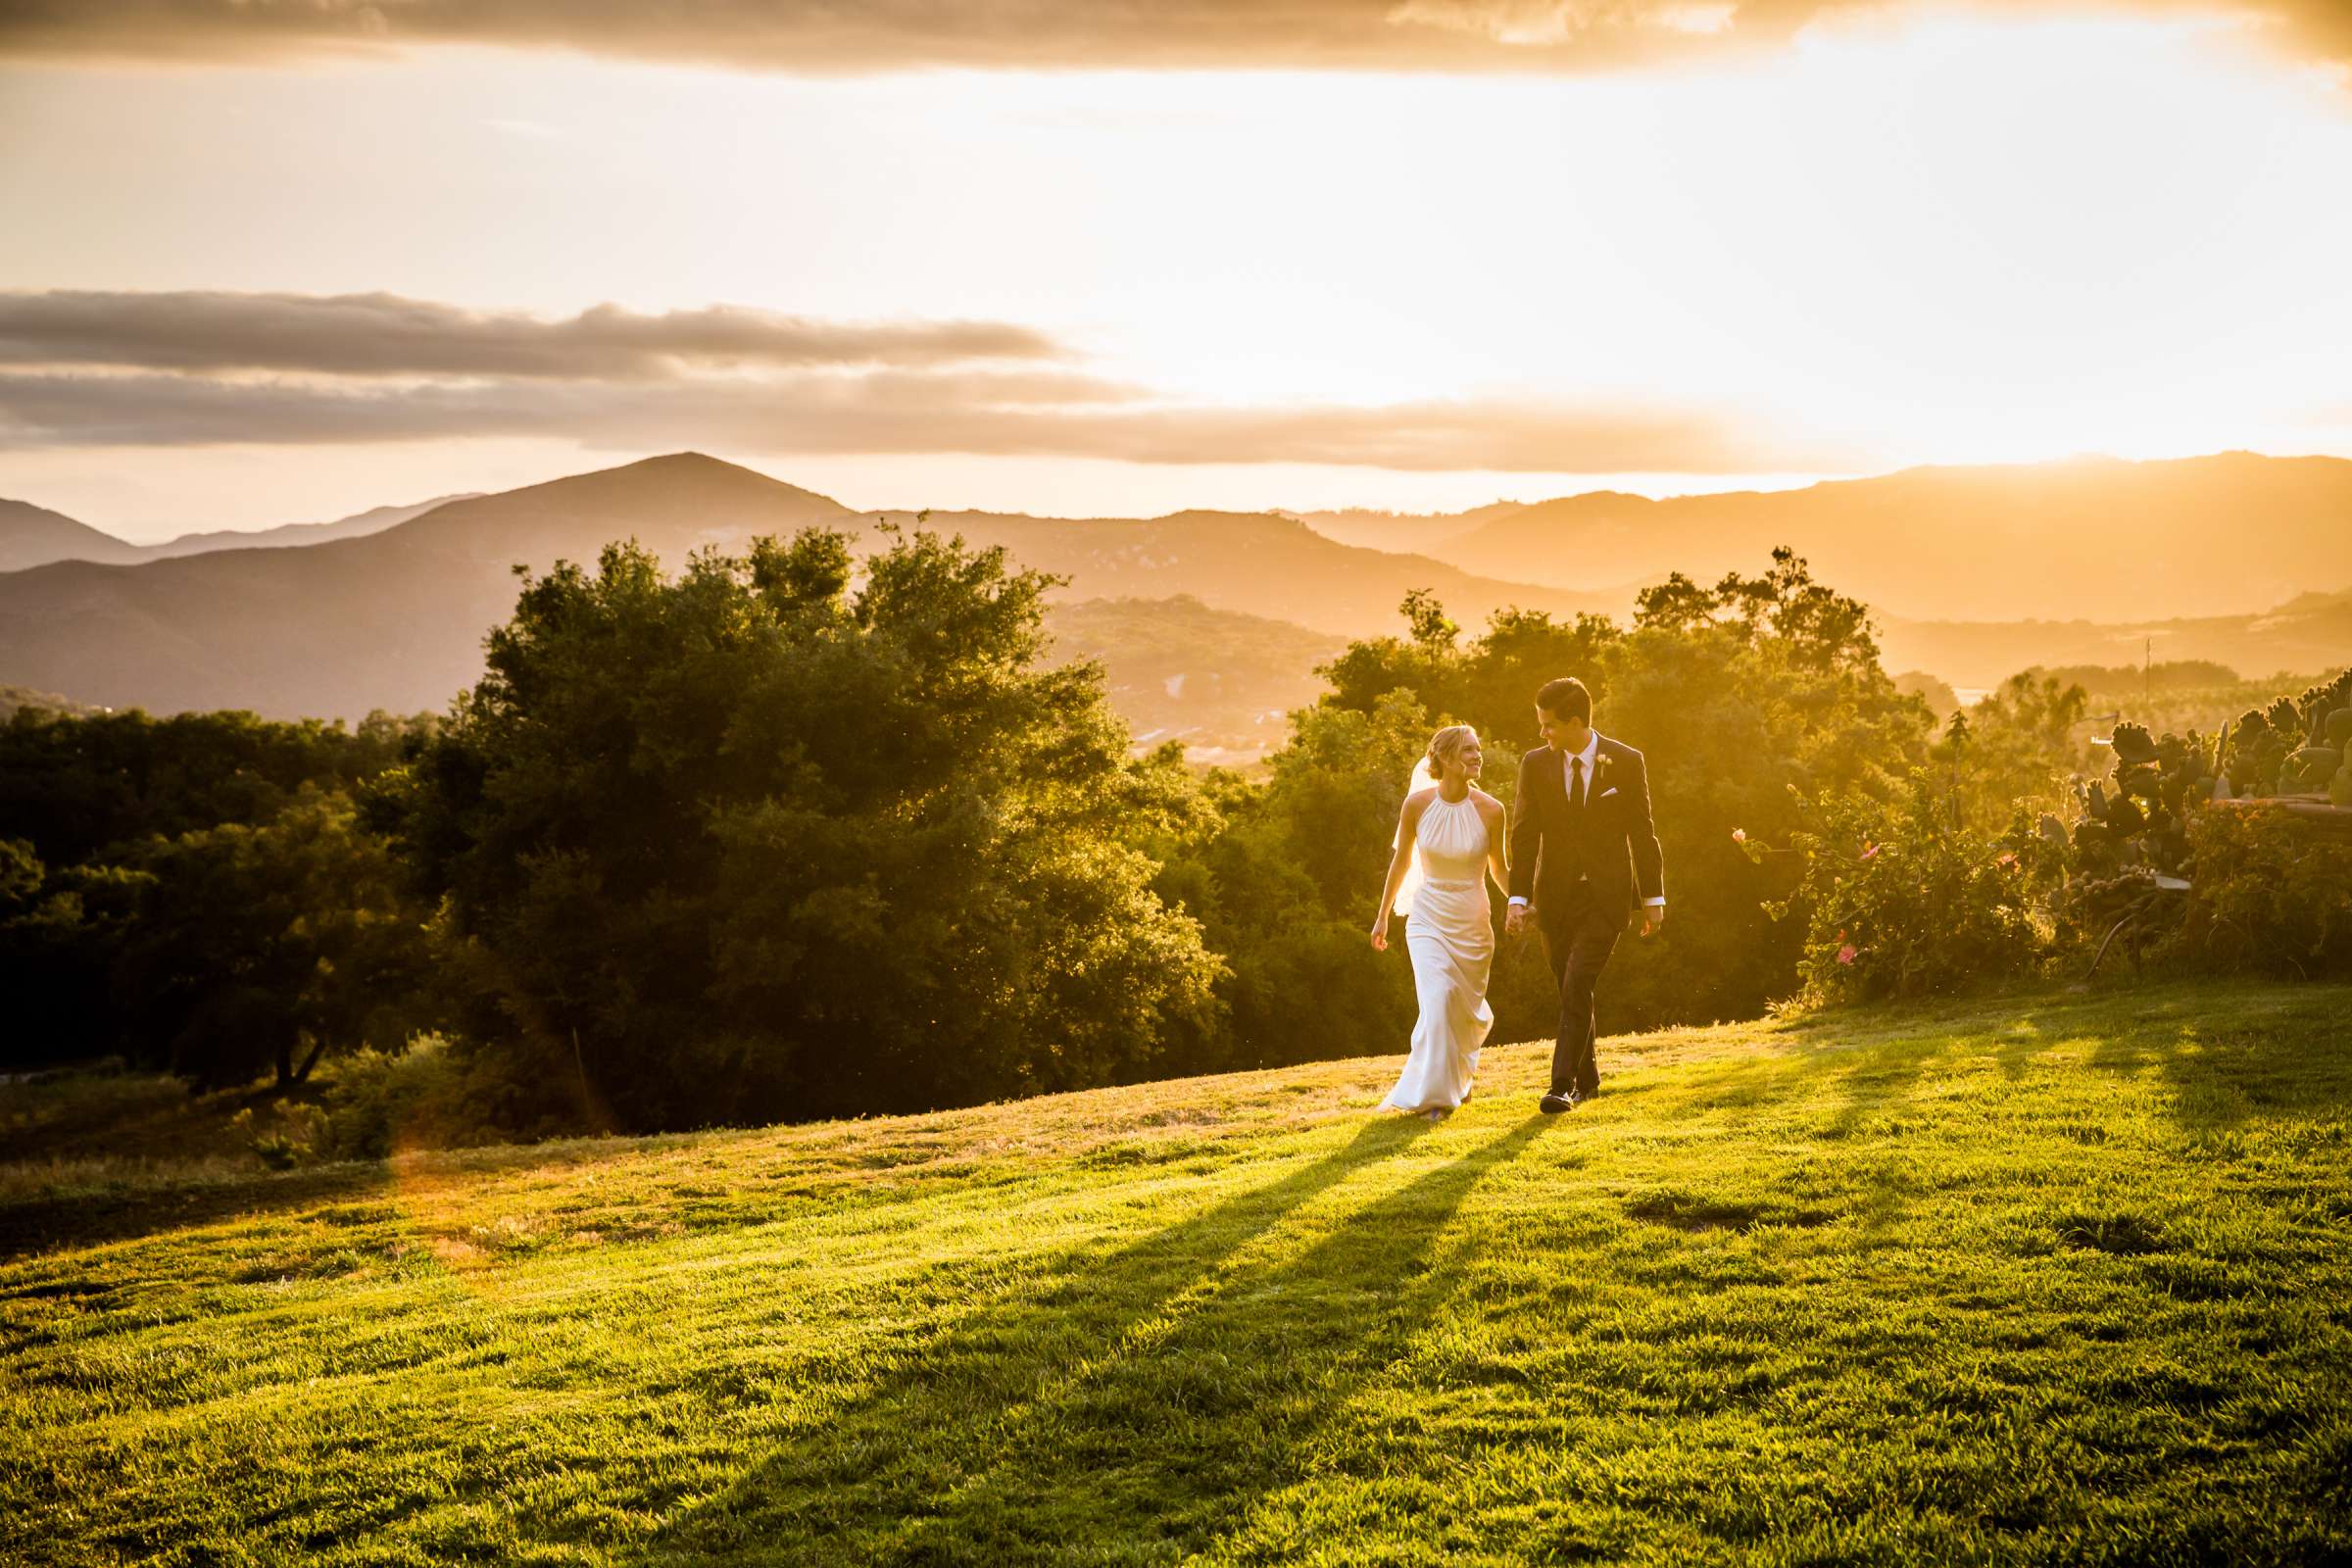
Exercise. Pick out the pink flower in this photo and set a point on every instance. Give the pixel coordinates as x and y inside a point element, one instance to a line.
<point>1846,955</point>
<point>1869,850</point>
<point>1739,835</point>
<point>2008,860</point>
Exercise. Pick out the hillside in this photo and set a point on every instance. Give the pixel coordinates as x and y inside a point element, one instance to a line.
<point>30,535</point>
<point>375,520</point>
<point>2091,539</point>
<point>1219,681</point>
<point>2310,632</point>
<point>396,620</point>
<point>1258,563</point>
<point>1400,530</point>
<point>2053,1278</point>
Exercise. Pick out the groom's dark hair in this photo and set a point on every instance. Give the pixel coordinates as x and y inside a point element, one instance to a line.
<point>1566,698</point>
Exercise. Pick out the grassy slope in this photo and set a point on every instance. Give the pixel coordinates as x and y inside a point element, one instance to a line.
<point>2063,1278</point>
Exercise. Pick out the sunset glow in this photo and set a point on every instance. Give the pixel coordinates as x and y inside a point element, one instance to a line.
<point>1958,236</point>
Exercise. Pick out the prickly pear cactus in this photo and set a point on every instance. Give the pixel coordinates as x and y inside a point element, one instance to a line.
<point>2294,746</point>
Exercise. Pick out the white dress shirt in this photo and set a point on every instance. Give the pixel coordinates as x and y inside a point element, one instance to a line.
<point>1589,756</point>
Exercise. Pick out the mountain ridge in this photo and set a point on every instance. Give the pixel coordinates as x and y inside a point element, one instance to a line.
<point>2100,538</point>
<point>396,618</point>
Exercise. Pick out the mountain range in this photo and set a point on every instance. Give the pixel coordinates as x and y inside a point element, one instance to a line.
<point>2088,539</point>
<point>395,619</point>
<point>34,536</point>
<point>1210,623</point>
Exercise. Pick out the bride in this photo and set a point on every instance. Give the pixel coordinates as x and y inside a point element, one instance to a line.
<point>1449,838</point>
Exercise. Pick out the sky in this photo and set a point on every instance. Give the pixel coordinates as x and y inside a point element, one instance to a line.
<point>295,260</point>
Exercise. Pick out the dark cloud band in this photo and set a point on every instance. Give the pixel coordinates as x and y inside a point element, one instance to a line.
<point>1015,413</point>
<point>386,336</point>
<point>824,36</point>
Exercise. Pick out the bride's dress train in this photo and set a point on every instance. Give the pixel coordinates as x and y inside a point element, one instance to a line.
<point>1451,938</point>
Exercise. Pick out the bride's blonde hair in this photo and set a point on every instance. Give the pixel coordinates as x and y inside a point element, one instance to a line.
<point>1446,744</point>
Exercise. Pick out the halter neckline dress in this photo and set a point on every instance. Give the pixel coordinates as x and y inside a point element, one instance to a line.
<point>1450,932</point>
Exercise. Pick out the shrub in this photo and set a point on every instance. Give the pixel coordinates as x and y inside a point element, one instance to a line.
<point>284,1135</point>
<point>1901,900</point>
<point>2272,893</point>
<point>437,1095</point>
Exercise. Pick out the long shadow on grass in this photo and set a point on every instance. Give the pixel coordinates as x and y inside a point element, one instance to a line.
<point>47,1224</point>
<point>2290,1067</point>
<point>1132,1409</point>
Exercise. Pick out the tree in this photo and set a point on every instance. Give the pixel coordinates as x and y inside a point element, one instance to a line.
<point>78,789</point>
<point>1748,698</point>
<point>259,950</point>
<point>752,845</point>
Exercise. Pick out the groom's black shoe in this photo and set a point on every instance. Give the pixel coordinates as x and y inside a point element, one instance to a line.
<point>1553,1104</point>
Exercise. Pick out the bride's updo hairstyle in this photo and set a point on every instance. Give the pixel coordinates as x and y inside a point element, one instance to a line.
<point>1448,744</point>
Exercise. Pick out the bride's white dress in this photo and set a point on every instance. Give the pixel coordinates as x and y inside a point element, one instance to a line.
<point>1451,938</point>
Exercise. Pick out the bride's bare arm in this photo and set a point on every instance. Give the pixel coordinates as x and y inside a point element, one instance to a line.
<point>1498,841</point>
<point>1406,821</point>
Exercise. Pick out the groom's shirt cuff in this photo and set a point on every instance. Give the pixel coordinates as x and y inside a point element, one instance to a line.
<point>1519,903</point>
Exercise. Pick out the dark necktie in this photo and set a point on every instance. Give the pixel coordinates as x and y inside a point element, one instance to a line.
<point>1576,782</point>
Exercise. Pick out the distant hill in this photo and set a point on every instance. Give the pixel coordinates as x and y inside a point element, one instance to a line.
<point>2095,538</point>
<point>1259,563</point>
<point>33,536</point>
<point>356,526</point>
<point>1219,681</point>
<point>1400,530</point>
<point>30,535</point>
<point>2309,633</point>
<point>396,620</point>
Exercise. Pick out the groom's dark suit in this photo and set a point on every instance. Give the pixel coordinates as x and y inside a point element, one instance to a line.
<point>1583,866</point>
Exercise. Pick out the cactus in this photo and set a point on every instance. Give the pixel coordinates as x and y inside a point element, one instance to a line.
<point>2311,767</point>
<point>2132,745</point>
<point>2133,835</point>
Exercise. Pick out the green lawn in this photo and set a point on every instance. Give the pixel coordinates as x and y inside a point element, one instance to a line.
<point>2060,1277</point>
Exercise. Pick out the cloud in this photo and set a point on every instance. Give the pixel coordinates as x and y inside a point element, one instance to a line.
<point>1001,414</point>
<point>825,36</point>
<point>386,336</point>
<point>181,369</point>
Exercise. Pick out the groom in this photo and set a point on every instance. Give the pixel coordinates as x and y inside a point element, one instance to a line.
<point>1583,847</point>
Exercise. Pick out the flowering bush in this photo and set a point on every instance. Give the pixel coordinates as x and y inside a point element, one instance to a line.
<point>1901,900</point>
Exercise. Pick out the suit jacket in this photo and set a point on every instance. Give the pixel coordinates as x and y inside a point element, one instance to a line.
<point>1608,851</point>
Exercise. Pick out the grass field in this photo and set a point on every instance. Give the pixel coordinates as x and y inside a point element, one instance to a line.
<point>2058,1278</point>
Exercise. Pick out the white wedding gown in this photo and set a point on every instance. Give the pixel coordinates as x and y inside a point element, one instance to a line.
<point>1451,938</point>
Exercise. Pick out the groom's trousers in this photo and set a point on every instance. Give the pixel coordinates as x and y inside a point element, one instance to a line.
<point>1577,944</point>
